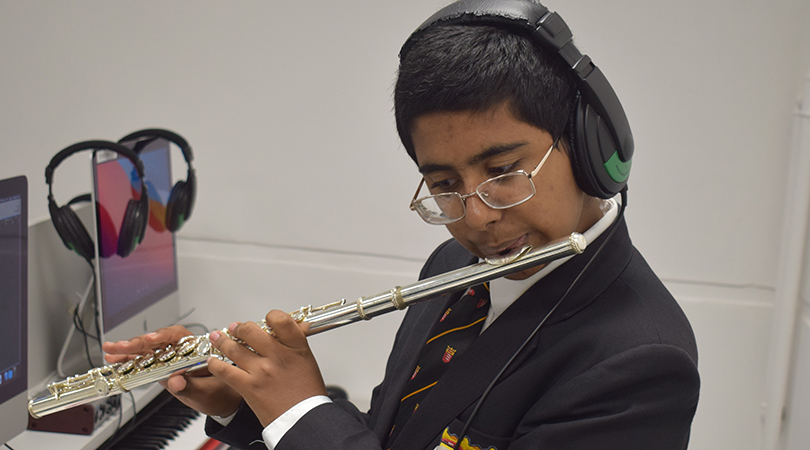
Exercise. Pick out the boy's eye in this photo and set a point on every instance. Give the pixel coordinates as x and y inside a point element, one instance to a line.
<point>500,170</point>
<point>446,185</point>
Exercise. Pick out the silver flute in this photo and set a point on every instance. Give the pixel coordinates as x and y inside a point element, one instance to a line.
<point>192,352</point>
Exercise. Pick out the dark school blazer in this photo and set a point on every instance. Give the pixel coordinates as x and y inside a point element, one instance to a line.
<point>614,367</point>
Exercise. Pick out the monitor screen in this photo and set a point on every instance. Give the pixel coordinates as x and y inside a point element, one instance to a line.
<point>14,306</point>
<point>128,287</point>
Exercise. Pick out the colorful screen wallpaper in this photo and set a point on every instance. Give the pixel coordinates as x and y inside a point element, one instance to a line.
<point>129,285</point>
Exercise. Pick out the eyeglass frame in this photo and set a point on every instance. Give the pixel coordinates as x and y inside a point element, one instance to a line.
<point>464,197</point>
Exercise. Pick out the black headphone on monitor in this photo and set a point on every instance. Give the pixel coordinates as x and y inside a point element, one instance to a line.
<point>70,227</point>
<point>183,193</point>
<point>602,143</point>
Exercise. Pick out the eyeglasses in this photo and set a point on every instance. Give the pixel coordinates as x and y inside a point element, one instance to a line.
<point>501,192</point>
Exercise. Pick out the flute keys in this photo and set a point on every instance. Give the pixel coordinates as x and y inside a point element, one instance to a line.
<point>147,361</point>
<point>204,347</point>
<point>127,367</point>
<point>166,354</point>
<point>185,339</point>
<point>187,346</point>
<point>101,387</point>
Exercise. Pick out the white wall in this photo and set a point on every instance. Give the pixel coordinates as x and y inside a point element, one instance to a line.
<point>288,107</point>
<point>797,433</point>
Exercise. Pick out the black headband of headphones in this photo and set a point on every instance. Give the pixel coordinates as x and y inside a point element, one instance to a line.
<point>600,108</point>
<point>180,204</point>
<point>171,136</point>
<point>92,145</point>
<point>73,233</point>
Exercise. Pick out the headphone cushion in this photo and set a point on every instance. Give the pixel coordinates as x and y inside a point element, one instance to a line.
<point>579,164</point>
<point>178,206</point>
<point>133,228</point>
<point>72,231</point>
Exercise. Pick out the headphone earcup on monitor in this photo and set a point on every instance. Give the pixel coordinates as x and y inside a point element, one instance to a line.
<point>133,228</point>
<point>178,206</point>
<point>72,231</point>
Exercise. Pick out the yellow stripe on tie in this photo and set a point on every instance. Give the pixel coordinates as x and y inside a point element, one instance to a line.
<point>419,390</point>
<point>454,329</point>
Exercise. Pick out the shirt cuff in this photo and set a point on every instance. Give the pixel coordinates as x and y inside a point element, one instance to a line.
<point>224,421</point>
<point>273,433</point>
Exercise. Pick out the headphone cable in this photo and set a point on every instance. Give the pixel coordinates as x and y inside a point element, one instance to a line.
<point>77,325</point>
<point>613,228</point>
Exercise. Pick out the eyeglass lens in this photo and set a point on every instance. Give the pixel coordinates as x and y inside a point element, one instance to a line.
<point>500,192</point>
<point>506,190</point>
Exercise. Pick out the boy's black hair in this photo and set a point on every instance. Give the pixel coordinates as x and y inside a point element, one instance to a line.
<point>477,67</point>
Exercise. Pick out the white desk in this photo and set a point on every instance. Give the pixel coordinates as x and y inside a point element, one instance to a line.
<point>41,440</point>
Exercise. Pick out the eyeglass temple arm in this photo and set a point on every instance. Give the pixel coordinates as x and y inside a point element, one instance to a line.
<point>543,161</point>
<point>418,188</point>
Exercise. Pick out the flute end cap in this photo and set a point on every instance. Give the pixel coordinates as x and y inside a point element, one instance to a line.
<point>31,410</point>
<point>578,242</point>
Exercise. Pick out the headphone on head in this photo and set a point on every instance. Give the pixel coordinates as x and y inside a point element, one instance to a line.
<point>602,143</point>
<point>181,199</point>
<point>68,225</point>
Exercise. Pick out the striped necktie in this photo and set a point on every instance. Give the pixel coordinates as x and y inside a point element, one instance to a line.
<point>460,324</point>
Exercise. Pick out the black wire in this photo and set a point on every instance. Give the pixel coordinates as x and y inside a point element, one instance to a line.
<point>133,422</point>
<point>118,428</point>
<point>190,312</point>
<point>79,324</point>
<point>120,415</point>
<point>9,447</point>
<point>613,228</point>
<point>96,316</point>
<point>190,325</point>
<point>134,408</point>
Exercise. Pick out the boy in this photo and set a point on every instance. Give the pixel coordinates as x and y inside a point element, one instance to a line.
<point>587,353</point>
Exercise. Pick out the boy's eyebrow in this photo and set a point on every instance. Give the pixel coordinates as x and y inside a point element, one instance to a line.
<point>487,153</point>
<point>494,150</point>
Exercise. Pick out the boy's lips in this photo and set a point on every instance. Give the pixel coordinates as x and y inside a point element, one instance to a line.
<point>500,250</point>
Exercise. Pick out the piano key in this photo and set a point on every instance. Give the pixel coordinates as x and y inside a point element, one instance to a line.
<point>193,437</point>
<point>164,424</point>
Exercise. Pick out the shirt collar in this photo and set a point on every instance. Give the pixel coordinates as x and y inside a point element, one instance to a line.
<point>504,292</point>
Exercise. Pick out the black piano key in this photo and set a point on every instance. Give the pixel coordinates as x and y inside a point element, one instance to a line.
<point>154,426</point>
<point>158,431</point>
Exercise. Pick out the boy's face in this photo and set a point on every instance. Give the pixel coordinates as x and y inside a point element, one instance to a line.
<point>459,150</point>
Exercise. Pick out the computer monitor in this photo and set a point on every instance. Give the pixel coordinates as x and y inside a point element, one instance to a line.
<point>139,293</point>
<point>14,307</point>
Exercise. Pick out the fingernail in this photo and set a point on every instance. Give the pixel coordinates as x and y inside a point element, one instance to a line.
<point>232,326</point>
<point>213,336</point>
